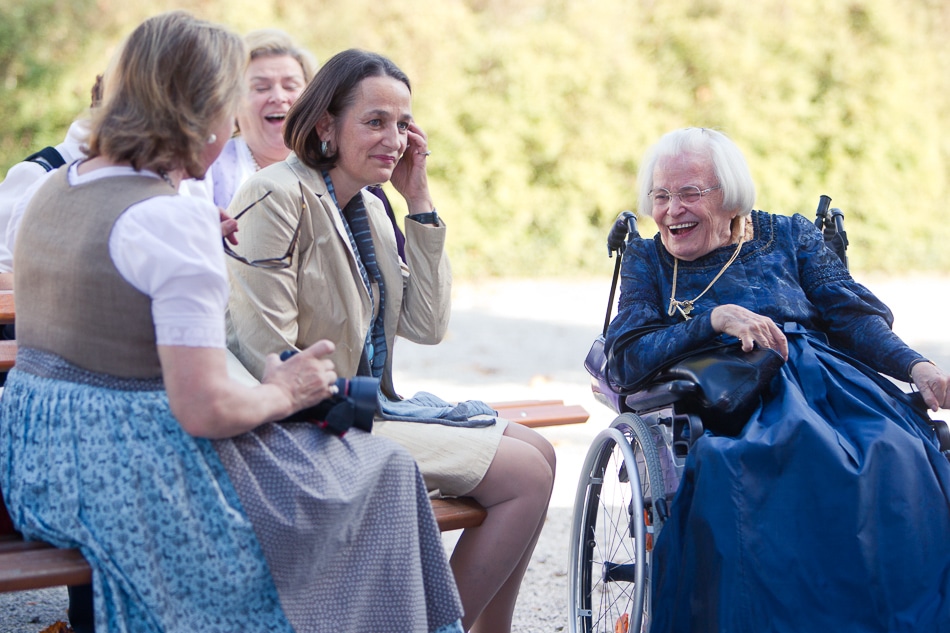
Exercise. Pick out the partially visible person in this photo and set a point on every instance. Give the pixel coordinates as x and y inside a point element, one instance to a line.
<point>340,276</point>
<point>277,72</point>
<point>25,173</point>
<point>121,382</point>
<point>19,179</point>
<point>830,511</point>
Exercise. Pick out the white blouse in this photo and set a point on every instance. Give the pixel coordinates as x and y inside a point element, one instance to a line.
<point>25,173</point>
<point>169,248</point>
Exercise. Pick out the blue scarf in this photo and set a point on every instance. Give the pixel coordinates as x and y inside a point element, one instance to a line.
<point>361,241</point>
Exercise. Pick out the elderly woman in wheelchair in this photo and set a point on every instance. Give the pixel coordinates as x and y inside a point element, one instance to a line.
<point>817,498</point>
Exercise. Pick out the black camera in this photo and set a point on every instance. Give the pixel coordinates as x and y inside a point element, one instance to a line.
<point>353,404</point>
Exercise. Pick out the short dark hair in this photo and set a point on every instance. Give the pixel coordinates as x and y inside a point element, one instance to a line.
<point>332,91</point>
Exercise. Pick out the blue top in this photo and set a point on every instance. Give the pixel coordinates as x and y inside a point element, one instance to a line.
<point>785,272</point>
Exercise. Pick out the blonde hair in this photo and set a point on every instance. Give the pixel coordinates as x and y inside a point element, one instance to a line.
<point>277,43</point>
<point>175,78</point>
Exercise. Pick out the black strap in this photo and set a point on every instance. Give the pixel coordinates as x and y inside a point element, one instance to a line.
<point>426,218</point>
<point>48,157</point>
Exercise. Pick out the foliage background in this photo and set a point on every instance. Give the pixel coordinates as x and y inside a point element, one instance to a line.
<point>538,111</point>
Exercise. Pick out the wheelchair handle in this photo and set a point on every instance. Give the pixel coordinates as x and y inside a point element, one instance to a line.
<point>838,216</point>
<point>626,223</point>
<point>822,213</point>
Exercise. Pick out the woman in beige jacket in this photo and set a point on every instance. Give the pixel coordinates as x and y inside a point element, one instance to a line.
<point>332,270</point>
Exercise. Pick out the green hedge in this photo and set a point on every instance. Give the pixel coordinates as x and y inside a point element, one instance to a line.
<point>539,111</point>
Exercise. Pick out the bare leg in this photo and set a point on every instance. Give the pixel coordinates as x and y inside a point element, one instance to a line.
<point>489,561</point>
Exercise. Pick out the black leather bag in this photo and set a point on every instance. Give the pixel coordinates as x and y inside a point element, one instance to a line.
<point>730,384</point>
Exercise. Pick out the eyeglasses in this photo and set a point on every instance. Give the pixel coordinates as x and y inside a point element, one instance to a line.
<point>273,263</point>
<point>687,195</point>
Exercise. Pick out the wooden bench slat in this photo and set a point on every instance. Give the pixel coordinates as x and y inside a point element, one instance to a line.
<point>516,404</point>
<point>17,544</point>
<point>545,414</point>
<point>7,307</point>
<point>458,513</point>
<point>7,355</point>
<point>26,565</point>
<point>40,568</point>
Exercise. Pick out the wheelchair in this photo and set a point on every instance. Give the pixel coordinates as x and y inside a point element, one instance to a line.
<point>633,468</point>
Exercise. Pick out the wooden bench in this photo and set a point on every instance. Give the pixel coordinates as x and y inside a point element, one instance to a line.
<point>28,565</point>
<point>7,315</point>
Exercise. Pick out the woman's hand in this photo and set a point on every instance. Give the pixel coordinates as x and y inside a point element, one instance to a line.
<point>933,385</point>
<point>306,378</point>
<point>750,328</point>
<point>229,227</point>
<point>409,177</point>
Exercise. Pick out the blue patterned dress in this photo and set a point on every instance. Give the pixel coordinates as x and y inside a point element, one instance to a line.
<point>831,511</point>
<point>98,462</point>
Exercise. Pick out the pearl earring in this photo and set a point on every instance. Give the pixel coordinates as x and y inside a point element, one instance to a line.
<point>212,139</point>
<point>324,146</point>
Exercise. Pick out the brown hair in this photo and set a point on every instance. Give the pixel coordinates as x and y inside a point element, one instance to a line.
<point>332,91</point>
<point>175,77</point>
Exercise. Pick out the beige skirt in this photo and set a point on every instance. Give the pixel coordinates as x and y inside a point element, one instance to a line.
<point>453,460</point>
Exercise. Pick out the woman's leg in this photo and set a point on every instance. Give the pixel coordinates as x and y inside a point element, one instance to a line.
<point>489,561</point>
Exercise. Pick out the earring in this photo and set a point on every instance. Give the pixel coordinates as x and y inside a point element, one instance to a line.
<point>324,146</point>
<point>212,139</point>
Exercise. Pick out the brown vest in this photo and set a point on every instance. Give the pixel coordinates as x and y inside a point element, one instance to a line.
<point>70,299</point>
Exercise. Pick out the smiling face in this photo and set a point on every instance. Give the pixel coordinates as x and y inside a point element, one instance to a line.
<point>273,84</point>
<point>689,231</point>
<point>369,136</point>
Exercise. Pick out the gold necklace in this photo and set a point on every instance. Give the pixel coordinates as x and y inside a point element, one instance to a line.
<point>685,307</point>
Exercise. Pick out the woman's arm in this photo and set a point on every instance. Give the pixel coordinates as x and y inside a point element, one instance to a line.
<point>207,403</point>
<point>427,288</point>
<point>854,319</point>
<point>263,304</point>
<point>427,285</point>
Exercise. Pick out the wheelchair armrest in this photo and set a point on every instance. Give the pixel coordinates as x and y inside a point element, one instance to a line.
<point>655,396</point>
<point>659,395</point>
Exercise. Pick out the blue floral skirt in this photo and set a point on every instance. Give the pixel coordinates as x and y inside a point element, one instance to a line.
<point>100,463</point>
<point>831,512</point>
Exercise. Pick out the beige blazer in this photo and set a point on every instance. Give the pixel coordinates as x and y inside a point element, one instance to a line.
<point>321,295</point>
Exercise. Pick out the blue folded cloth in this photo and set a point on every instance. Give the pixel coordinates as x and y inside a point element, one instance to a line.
<point>430,409</point>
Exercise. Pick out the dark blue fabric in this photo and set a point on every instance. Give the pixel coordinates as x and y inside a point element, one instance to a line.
<point>380,193</point>
<point>361,240</point>
<point>355,214</point>
<point>831,511</point>
<point>785,273</point>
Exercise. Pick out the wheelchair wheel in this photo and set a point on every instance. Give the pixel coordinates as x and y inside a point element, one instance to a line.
<point>615,521</point>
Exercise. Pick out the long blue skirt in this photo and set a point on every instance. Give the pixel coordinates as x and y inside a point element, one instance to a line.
<point>91,463</point>
<point>831,512</point>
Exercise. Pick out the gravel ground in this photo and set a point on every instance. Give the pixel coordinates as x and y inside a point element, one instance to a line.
<point>515,340</point>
